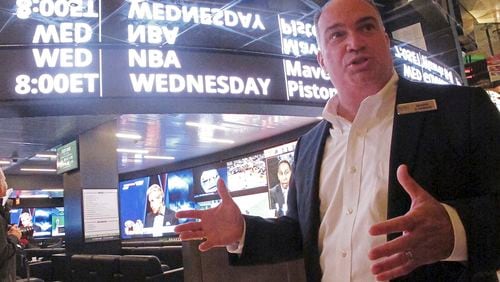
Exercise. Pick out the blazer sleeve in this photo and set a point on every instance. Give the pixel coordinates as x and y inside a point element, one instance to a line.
<point>480,212</point>
<point>275,239</point>
<point>7,243</point>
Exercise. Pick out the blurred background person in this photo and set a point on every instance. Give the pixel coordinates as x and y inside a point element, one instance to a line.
<point>9,239</point>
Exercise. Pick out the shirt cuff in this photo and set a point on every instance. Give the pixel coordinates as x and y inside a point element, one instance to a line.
<point>459,252</point>
<point>237,247</point>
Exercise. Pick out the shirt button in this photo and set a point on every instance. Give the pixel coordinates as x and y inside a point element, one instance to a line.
<point>349,211</point>
<point>352,169</point>
<point>343,253</point>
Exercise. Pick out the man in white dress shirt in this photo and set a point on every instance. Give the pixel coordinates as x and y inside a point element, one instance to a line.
<point>398,182</point>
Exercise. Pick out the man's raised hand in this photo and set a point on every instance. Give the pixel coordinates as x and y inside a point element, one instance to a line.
<point>219,226</point>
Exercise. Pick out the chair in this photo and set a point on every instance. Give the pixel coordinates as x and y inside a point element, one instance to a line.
<point>136,268</point>
<point>105,268</point>
<point>81,268</point>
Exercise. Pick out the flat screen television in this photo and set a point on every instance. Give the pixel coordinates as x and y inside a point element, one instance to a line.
<point>57,220</point>
<point>40,219</point>
<point>147,205</point>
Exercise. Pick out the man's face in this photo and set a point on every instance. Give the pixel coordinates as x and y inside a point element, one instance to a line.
<point>155,201</point>
<point>354,46</point>
<point>284,174</point>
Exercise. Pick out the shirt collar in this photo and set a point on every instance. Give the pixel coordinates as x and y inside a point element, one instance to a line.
<point>374,106</point>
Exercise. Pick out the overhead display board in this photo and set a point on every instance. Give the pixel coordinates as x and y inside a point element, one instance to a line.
<point>101,50</point>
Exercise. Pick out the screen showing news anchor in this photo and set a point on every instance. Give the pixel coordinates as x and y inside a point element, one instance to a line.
<point>143,208</point>
<point>279,162</point>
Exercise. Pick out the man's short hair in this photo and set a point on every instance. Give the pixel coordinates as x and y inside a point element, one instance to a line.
<point>318,13</point>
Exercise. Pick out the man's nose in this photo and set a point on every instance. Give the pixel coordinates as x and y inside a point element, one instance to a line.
<point>355,42</point>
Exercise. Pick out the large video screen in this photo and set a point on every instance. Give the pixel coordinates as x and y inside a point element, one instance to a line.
<point>148,204</point>
<point>42,220</point>
<point>143,208</point>
<point>246,173</point>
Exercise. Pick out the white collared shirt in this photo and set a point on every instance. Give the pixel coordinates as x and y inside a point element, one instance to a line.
<point>354,187</point>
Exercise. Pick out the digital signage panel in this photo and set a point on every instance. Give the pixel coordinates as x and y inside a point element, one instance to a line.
<point>67,157</point>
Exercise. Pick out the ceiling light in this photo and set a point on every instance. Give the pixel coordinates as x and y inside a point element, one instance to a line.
<point>159,157</point>
<point>133,151</point>
<point>132,136</point>
<point>4,162</point>
<point>39,169</point>
<point>206,125</point>
<point>215,140</point>
<point>46,156</point>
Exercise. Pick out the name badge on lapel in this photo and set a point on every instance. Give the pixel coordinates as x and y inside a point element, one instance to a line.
<point>417,107</point>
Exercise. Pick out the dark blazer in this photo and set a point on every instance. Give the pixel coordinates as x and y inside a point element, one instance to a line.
<point>453,152</point>
<point>8,247</point>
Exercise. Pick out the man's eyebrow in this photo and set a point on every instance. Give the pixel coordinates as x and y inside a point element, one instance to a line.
<point>334,26</point>
<point>366,19</point>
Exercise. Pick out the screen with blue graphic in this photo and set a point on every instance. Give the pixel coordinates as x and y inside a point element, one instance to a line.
<point>40,219</point>
<point>180,191</point>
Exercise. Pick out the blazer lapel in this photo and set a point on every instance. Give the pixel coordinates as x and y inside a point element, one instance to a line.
<point>406,133</point>
<point>311,158</point>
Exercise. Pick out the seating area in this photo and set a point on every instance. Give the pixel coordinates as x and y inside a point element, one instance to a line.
<point>86,267</point>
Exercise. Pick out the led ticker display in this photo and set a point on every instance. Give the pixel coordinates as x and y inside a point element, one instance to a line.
<point>415,64</point>
<point>59,49</point>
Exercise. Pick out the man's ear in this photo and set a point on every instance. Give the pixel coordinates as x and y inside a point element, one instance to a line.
<point>319,57</point>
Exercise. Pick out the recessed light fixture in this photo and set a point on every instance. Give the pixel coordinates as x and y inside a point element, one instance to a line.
<point>159,157</point>
<point>38,169</point>
<point>133,151</point>
<point>216,140</point>
<point>4,162</point>
<point>132,136</point>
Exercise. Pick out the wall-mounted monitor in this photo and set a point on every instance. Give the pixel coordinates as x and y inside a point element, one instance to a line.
<point>42,220</point>
<point>67,157</point>
<point>145,206</point>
